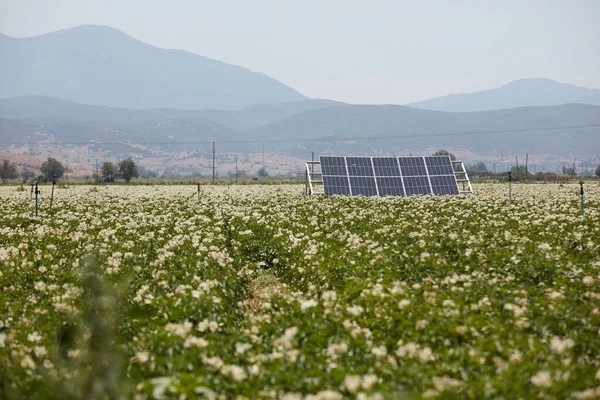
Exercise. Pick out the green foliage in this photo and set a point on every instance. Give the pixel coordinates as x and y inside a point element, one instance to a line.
<point>27,174</point>
<point>52,167</point>
<point>569,171</point>
<point>128,169</point>
<point>109,171</point>
<point>597,172</point>
<point>8,171</point>
<point>262,172</point>
<point>146,292</point>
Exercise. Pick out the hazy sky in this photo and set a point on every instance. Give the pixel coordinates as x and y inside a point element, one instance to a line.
<point>370,51</point>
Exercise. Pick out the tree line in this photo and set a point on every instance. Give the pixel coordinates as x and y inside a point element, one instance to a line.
<point>126,169</point>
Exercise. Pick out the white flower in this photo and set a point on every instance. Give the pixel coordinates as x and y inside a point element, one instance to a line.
<point>588,281</point>
<point>352,383</point>
<point>559,345</point>
<point>448,303</point>
<point>355,310</point>
<point>181,330</point>
<point>241,348</point>
<point>142,357</point>
<point>402,304</point>
<point>426,355</point>
<point>542,379</point>
<point>27,362</point>
<point>40,286</point>
<point>368,381</point>
<point>40,351</point>
<point>380,351</point>
<point>236,372</point>
<point>34,337</point>
<point>329,295</point>
<point>195,341</point>
<point>305,305</point>
<point>545,247</point>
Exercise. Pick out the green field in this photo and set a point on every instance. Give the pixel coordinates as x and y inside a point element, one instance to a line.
<point>260,292</point>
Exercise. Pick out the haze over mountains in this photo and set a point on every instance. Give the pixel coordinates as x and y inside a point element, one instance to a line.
<point>519,93</point>
<point>104,66</point>
<point>96,89</point>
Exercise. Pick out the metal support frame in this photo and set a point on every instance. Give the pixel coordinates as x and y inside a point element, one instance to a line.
<point>462,178</point>
<point>314,179</point>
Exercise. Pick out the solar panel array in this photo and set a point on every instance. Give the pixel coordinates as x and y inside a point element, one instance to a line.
<point>388,176</point>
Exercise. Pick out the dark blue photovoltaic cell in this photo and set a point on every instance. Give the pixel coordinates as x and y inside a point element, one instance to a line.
<point>333,166</point>
<point>386,166</point>
<point>444,184</point>
<point>439,165</point>
<point>412,166</point>
<point>336,185</point>
<point>390,186</point>
<point>363,185</point>
<point>388,176</point>
<point>416,185</point>
<point>359,166</point>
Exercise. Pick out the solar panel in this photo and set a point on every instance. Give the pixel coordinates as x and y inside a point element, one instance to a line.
<point>388,176</point>
<point>416,185</point>
<point>390,186</point>
<point>363,185</point>
<point>386,166</point>
<point>412,166</point>
<point>359,166</point>
<point>336,185</point>
<point>335,166</point>
<point>439,165</point>
<point>444,184</point>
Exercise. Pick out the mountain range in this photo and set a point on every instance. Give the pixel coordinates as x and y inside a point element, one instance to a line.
<point>519,93</point>
<point>102,65</point>
<point>95,89</point>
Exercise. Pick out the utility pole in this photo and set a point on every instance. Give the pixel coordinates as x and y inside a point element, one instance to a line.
<point>213,180</point>
<point>526,164</point>
<point>236,169</point>
<point>517,161</point>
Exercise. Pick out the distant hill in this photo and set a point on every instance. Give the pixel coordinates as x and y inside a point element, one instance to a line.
<point>519,93</point>
<point>292,129</point>
<point>43,108</point>
<point>424,128</point>
<point>102,65</point>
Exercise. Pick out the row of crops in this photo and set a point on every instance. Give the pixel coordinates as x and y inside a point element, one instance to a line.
<point>260,292</point>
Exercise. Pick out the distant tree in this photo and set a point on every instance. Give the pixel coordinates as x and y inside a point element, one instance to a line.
<point>443,152</point>
<point>52,167</point>
<point>569,171</point>
<point>109,171</point>
<point>8,170</point>
<point>27,174</point>
<point>147,173</point>
<point>128,169</point>
<point>477,168</point>
<point>262,172</point>
<point>597,172</point>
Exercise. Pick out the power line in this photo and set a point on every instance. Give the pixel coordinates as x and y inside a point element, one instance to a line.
<point>325,139</point>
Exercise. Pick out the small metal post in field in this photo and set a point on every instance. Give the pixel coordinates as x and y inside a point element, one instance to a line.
<point>582,200</point>
<point>37,192</point>
<point>509,188</point>
<point>52,193</point>
<point>198,184</point>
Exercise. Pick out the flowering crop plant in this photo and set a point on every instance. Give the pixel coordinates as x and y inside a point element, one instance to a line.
<point>259,292</point>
